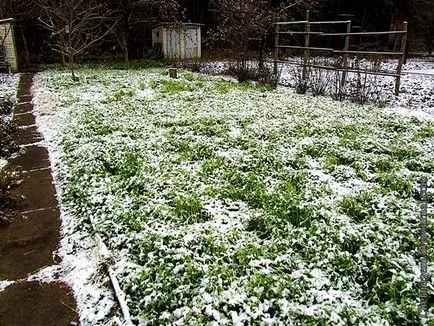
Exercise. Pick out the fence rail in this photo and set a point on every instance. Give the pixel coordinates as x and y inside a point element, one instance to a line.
<point>364,71</point>
<point>307,48</point>
<point>344,34</point>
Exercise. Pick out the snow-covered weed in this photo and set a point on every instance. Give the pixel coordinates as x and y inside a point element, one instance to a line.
<point>229,204</point>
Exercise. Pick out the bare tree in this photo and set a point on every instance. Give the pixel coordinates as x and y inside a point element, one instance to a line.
<point>423,22</point>
<point>140,14</point>
<point>75,26</point>
<point>241,21</point>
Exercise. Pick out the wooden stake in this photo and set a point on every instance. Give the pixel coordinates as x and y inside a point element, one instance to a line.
<point>306,45</point>
<point>345,56</point>
<point>402,59</point>
<point>276,49</point>
<point>173,73</point>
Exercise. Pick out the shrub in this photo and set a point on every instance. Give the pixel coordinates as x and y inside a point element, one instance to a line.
<point>243,71</point>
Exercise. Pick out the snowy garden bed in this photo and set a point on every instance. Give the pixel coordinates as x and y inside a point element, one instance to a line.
<point>416,96</point>
<point>8,85</point>
<point>8,94</point>
<point>229,204</point>
<point>417,83</point>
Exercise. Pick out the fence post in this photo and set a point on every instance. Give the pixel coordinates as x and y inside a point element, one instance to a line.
<point>423,246</point>
<point>306,45</point>
<point>401,59</point>
<point>345,56</point>
<point>276,48</point>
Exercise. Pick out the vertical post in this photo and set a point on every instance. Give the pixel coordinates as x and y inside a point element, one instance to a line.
<point>276,48</point>
<point>423,246</point>
<point>345,56</point>
<point>173,73</point>
<point>401,59</point>
<point>306,45</point>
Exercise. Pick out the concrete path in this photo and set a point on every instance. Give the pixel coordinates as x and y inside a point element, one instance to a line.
<point>28,243</point>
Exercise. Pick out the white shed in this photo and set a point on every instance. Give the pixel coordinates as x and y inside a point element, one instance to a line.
<point>7,40</point>
<point>177,41</point>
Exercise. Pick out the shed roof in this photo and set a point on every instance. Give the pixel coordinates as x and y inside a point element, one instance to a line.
<point>7,20</point>
<point>177,25</point>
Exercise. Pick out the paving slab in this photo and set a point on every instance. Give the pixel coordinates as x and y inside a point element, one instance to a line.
<point>24,119</point>
<point>29,192</point>
<point>27,135</point>
<point>25,98</point>
<point>27,244</point>
<point>31,158</point>
<point>23,107</point>
<point>37,304</point>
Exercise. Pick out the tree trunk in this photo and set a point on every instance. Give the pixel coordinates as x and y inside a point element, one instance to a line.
<point>261,52</point>
<point>62,58</point>
<point>72,68</point>
<point>26,49</point>
<point>124,46</point>
<point>122,40</point>
<point>126,55</point>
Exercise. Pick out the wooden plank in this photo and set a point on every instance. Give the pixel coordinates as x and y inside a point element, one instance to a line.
<point>316,23</point>
<point>292,23</point>
<point>369,52</point>
<point>363,33</point>
<point>331,22</point>
<point>340,51</point>
<point>304,48</point>
<point>303,33</point>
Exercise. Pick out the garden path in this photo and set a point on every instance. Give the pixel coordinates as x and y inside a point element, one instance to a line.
<point>29,242</point>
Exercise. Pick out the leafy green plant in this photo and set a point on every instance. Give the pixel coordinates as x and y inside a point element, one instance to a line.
<point>6,105</point>
<point>7,182</point>
<point>359,207</point>
<point>189,209</point>
<point>211,165</point>
<point>173,86</point>
<point>121,93</point>
<point>217,208</point>
<point>7,143</point>
<point>425,132</point>
<point>393,182</point>
<point>193,152</point>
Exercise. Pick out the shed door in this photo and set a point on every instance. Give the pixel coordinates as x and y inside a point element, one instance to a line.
<point>191,43</point>
<point>174,45</point>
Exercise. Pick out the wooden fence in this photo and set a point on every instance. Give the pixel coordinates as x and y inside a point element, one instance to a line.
<point>283,28</point>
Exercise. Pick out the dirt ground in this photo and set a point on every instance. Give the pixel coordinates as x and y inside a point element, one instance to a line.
<point>28,243</point>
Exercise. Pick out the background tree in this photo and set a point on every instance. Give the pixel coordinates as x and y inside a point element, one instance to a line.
<point>135,17</point>
<point>75,25</point>
<point>229,24</point>
<point>241,21</point>
<point>422,22</point>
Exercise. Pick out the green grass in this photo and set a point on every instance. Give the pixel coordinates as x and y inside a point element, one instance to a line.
<point>224,198</point>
